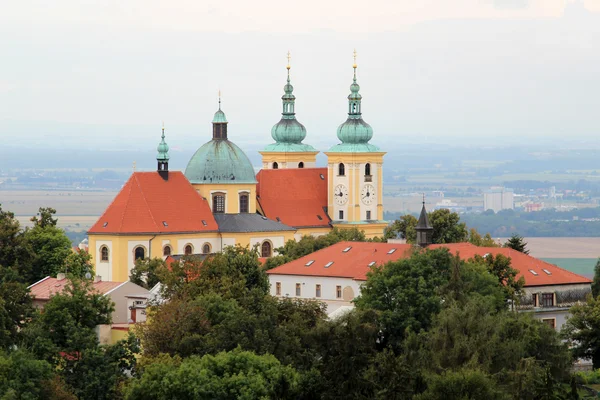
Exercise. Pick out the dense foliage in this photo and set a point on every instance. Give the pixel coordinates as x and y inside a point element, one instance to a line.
<point>430,326</point>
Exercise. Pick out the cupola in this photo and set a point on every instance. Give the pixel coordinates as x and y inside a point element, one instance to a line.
<point>424,228</point>
<point>162,157</point>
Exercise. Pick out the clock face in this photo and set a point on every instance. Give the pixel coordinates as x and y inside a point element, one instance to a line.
<point>341,195</point>
<point>367,195</point>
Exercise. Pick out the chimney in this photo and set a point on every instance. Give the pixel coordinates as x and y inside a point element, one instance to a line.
<point>97,278</point>
<point>60,276</point>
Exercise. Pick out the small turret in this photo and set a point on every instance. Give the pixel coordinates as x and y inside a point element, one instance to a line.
<point>424,228</point>
<point>162,157</point>
<point>220,123</point>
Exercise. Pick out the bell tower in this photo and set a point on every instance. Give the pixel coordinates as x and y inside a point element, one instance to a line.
<point>288,151</point>
<point>162,158</point>
<point>355,172</point>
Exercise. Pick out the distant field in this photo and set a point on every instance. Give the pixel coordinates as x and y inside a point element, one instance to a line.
<point>26,203</point>
<point>564,247</point>
<point>77,223</point>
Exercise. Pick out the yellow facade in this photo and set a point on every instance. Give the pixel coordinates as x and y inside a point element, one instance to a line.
<point>355,181</point>
<point>232,195</point>
<point>289,159</point>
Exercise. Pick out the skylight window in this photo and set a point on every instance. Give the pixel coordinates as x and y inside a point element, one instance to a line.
<point>308,264</point>
<point>277,218</point>
<point>391,251</point>
<point>372,263</point>
<point>347,249</point>
<point>329,264</point>
<point>320,218</point>
<point>533,272</point>
<point>322,176</point>
<point>165,223</point>
<point>546,271</point>
<point>204,223</point>
<point>104,224</point>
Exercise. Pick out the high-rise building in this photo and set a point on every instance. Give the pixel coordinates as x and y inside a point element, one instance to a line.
<point>498,198</point>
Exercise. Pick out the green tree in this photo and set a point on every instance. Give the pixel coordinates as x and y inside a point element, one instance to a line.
<point>481,241</point>
<point>78,263</point>
<point>15,307</point>
<point>403,227</point>
<point>447,227</point>
<point>406,292</point>
<point>517,242</point>
<point>463,384</point>
<point>15,251</point>
<point>500,267</point>
<point>50,244</point>
<point>582,330</point>
<point>596,281</point>
<point>145,272</point>
<point>237,374</point>
<point>68,321</point>
<point>24,377</point>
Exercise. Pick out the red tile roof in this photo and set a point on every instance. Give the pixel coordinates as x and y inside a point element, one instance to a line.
<point>297,196</point>
<point>149,204</point>
<point>354,259</point>
<point>47,287</point>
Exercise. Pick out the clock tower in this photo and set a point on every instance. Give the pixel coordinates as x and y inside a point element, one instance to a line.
<point>355,172</point>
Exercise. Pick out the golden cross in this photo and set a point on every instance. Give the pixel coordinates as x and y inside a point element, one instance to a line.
<point>289,57</point>
<point>354,58</point>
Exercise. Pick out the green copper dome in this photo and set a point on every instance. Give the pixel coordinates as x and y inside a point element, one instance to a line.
<point>219,160</point>
<point>163,148</point>
<point>288,133</point>
<point>354,133</point>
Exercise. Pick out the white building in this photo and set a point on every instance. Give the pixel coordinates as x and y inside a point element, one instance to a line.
<point>498,198</point>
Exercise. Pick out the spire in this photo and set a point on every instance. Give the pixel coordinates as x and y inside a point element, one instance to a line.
<point>162,157</point>
<point>288,98</point>
<point>424,228</point>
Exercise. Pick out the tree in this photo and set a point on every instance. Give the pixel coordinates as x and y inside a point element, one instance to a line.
<point>15,251</point>
<point>447,227</point>
<point>500,266</point>
<point>145,272</point>
<point>464,384</point>
<point>68,321</point>
<point>235,374</point>
<point>15,307</point>
<point>517,242</point>
<point>596,281</point>
<point>50,244</point>
<point>78,263</point>
<point>582,330</point>
<point>481,241</point>
<point>406,292</point>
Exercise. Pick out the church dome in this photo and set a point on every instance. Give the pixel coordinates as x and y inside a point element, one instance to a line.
<point>219,160</point>
<point>354,131</point>
<point>288,131</point>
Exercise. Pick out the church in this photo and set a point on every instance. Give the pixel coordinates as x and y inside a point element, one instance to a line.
<point>220,201</point>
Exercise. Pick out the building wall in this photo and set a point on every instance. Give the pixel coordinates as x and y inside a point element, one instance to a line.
<point>289,159</point>
<point>315,232</point>
<point>308,286</point>
<point>498,199</point>
<point>118,296</point>
<point>232,192</point>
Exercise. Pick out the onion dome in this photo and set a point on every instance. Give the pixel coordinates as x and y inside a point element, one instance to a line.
<point>288,133</point>
<point>220,160</point>
<point>354,133</point>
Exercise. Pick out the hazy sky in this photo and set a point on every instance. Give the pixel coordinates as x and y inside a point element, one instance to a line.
<point>106,73</point>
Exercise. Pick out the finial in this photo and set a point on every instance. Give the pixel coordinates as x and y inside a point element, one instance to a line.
<point>289,57</point>
<point>163,130</point>
<point>354,65</point>
<point>219,99</point>
<point>134,166</point>
<point>423,199</point>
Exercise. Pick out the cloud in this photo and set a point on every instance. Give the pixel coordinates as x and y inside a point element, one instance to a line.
<point>511,4</point>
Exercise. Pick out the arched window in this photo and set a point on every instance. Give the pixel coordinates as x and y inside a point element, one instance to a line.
<point>266,249</point>
<point>275,165</point>
<point>139,253</point>
<point>103,253</point>
<point>206,248</point>
<point>244,202</point>
<point>367,169</point>
<point>188,250</point>
<point>300,164</point>
<point>167,250</point>
<point>341,169</point>
<point>218,203</point>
